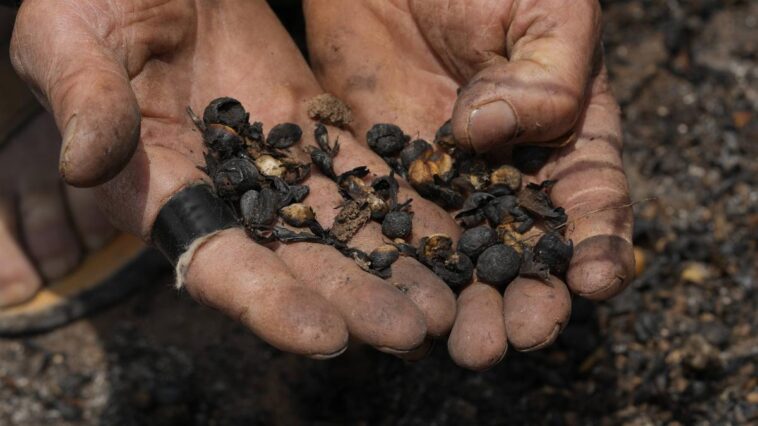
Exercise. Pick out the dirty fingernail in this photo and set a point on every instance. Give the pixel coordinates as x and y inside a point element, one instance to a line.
<point>490,125</point>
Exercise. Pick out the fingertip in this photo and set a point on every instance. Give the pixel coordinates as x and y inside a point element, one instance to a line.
<point>478,338</point>
<point>535,312</point>
<point>432,296</point>
<point>602,267</point>
<point>99,140</point>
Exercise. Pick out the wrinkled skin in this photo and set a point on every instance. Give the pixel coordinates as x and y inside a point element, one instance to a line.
<point>529,71</point>
<point>118,76</point>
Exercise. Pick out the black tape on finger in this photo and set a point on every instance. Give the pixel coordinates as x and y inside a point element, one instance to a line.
<point>191,213</point>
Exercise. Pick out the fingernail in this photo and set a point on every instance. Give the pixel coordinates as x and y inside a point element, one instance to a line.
<point>67,143</point>
<point>490,125</point>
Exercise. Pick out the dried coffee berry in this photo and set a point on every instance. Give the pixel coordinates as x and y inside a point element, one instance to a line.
<point>397,224</point>
<point>299,192</point>
<point>531,267</point>
<point>297,215</point>
<point>498,265</point>
<point>226,111</point>
<point>414,150</point>
<point>323,161</point>
<point>384,256</point>
<point>529,158</point>
<point>234,177</point>
<point>507,176</point>
<point>222,141</point>
<point>555,252</point>
<point>258,208</point>
<point>284,135</point>
<point>435,248</point>
<point>456,271</point>
<point>386,140</point>
<point>444,137</point>
<point>499,209</point>
<point>475,240</point>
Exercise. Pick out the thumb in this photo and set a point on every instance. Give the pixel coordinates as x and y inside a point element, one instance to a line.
<point>534,93</point>
<point>83,83</point>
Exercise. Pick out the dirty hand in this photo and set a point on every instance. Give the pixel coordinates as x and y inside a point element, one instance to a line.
<point>118,77</point>
<point>528,71</point>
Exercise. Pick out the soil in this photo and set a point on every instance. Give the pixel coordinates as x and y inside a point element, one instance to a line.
<point>678,347</point>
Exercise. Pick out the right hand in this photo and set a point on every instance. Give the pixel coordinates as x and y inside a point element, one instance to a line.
<point>118,76</point>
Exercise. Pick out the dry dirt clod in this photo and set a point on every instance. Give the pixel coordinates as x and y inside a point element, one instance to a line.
<point>330,110</point>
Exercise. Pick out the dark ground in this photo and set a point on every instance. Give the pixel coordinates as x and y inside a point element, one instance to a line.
<point>678,347</point>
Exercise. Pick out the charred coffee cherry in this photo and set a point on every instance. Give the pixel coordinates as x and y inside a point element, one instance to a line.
<point>498,265</point>
<point>226,111</point>
<point>434,248</point>
<point>397,224</point>
<point>258,208</point>
<point>530,159</point>
<point>223,141</point>
<point>475,240</point>
<point>235,177</point>
<point>456,271</point>
<point>386,140</point>
<point>284,135</point>
<point>384,256</point>
<point>413,151</point>
<point>297,215</point>
<point>500,208</point>
<point>555,252</point>
<point>323,161</point>
<point>299,192</point>
<point>444,136</point>
<point>507,176</point>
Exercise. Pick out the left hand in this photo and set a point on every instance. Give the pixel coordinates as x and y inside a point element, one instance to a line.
<point>529,72</point>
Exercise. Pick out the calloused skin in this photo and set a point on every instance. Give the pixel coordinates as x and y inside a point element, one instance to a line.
<point>118,76</point>
<point>528,71</point>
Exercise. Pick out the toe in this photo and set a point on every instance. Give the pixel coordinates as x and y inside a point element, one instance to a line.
<point>18,279</point>
<point>93,228</point>
<point>49,236</point>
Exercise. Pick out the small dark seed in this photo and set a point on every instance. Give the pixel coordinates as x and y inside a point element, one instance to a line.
<point>222,141</point>
<point>323,161</point>
<point>498,265</point>
<point>235,177</point>
<point>299,192</point>
<point>414,150</point>
<point>475,240</point>
<point>397,224</point>
<point>384,256</point>
<point>555,252</point>
<point>226,111</point>
<point>284,135</point>
<point>530,159</point>
<point>386,140</point>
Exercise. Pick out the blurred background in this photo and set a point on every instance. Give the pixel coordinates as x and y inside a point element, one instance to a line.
<point>678,347</point>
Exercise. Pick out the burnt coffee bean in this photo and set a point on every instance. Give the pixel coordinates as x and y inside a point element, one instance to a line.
<point>531,267</point>
<point>223,141</point>
<point>555,252</point>
<point>226,111</point>
<point>323,161</point>
<point>284,135</point>
<point>386,140</point>
<point>258,208</point>
<point>498,265</point>
<point>299,192</point>
<point>413,151</point>
<point>506,176</point>
<point>475,240</point>
<point>397,224</point>
<point>456,270</point>
<point>379,208</point>
<point>297,215</point>
<point>384,256</point>
<point>270,166</point>
<point>236,176</point>
<point>500,209</point>
<point>499,190</point>
<point>444,136</point>
<point>530,159</point>
<point>434,248</point>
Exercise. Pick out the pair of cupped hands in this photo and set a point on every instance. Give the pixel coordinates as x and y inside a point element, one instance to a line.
<point>118,76</point>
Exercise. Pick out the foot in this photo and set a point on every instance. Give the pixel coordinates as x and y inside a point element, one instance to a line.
<point>46,227</point>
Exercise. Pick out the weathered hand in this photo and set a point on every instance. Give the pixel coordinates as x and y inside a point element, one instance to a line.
<point>528,71</point>
<point>118,76</point>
